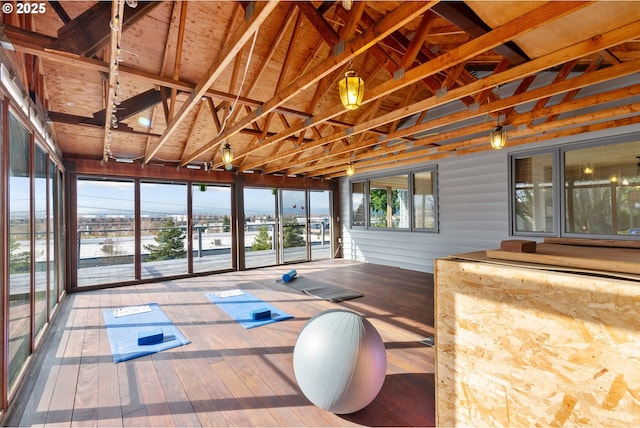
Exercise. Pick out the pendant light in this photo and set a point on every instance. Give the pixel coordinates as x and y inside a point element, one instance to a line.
<point>227,156</point>
<point>351,169</point>
<point>347,4</point>
<point>351,90</point>
<point>498,138</point>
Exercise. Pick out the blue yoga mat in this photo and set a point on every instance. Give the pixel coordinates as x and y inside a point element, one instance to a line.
<point>240,307</point>
<point>135,321</point>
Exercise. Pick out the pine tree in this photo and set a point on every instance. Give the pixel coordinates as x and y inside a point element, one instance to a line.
<point>170,243</point>
<point>293,235</point>
<point>226,223</point>
<point>20,260</point>
<point>262,241</point>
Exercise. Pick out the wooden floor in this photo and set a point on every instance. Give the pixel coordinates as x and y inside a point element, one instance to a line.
<point>227,375</point>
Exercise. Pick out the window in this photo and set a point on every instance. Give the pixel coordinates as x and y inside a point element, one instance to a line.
<point>424,207</point>
<point>533,196</point>
<point>389,202</point>
<point>106,240</point>
<point>211,225</point>
<point>398,202</point>
<point>20,249</point>
<point>39,251</point>
<point>163,226</point>
<point>600,191</point>
<point>357,204</point>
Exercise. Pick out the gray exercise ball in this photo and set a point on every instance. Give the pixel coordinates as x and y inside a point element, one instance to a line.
<point>339,361</point>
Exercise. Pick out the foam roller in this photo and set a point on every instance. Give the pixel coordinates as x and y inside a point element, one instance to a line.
<point>289,275</point>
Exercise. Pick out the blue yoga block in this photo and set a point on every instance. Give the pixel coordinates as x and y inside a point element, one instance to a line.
<point>261,314</point>
<point>150,337</point>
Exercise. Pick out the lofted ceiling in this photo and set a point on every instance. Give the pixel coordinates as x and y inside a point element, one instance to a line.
<point>262,76</point>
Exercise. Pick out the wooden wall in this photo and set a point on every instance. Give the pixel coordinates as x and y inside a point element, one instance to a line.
<point>523,347</point>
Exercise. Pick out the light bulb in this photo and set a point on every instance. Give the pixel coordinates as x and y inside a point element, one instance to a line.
<point>115,23</point>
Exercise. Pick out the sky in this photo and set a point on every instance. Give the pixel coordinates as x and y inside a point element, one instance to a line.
<point>100,197</point>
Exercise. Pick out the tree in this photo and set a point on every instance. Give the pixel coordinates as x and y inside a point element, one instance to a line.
<point>292,235</point>
<point>262,241</point>
<point>226,223</point>
<point>20,261</point>
<point>378,206</point>
<point>170,243</point>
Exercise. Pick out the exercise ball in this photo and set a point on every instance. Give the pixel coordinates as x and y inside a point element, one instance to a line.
<point>339,361</point>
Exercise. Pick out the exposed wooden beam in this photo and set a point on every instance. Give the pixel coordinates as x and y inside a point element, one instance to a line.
<point>481,145</point>
<point>514,28</point>
<point>394,20</point>
<point>131,106</point>
<point>498,105</point>
<point>90,31</point>
<point>178,56</point>
<point>462,16</point>
<point>244,32</point>
<point>116,10</point>
<point>39,45</point>
<point>62,14</point>
<point>415,45</point>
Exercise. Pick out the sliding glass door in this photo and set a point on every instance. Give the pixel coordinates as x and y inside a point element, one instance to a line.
<point>260,231</point>
<point>293,218</point>
<point>163,227</point>
<point>320,224</point>
<point>211,227</point>
<point>105,235</point>
<point>20,248</point>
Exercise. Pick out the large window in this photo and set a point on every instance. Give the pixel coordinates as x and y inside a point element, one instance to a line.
<point>163,226</point>
<point>41,247</point>
<point>260,231</point>
<point>211,207</point>
<point>320,224</point>
<point>600,197</point>
<point>20,248</point>
<point>106,242</point>
<point>405,201</point>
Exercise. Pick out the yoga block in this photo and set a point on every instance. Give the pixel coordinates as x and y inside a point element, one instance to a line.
<point>150,337</point>
<point>518,246</point>
<point>261,314</point>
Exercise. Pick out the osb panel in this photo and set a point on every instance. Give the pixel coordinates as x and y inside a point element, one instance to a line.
<point>624,260</point>
<point>592,20</point>
<point>522,347</point>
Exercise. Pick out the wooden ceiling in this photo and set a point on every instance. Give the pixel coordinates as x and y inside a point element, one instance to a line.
<point>263,77</point>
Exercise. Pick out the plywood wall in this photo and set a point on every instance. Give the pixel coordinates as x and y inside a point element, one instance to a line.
<point>524,347</point>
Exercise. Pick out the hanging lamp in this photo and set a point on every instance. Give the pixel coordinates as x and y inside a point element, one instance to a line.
<point>351,90</point>
<point>351,169</point>
<point>498,137</point>
<point>227,156</point>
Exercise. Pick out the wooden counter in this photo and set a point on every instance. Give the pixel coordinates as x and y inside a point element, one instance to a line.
<point>522,344</point>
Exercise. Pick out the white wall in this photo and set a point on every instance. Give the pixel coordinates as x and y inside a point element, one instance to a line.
<point>473,210</point>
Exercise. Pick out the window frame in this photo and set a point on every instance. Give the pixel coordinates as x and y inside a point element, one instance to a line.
<point>556,193</point>
<point>410,173</point>
<point>558,183</point>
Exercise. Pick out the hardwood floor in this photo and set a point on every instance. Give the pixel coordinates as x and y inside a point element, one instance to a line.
<point>227,375</point>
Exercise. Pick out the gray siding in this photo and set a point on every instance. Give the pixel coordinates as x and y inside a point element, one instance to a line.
<point>473,211</point>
